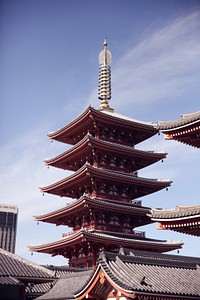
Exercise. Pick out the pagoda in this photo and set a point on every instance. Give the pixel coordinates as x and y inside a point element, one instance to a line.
<point>105,185</point>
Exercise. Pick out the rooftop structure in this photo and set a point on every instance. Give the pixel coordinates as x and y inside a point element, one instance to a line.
<point>184,219</point>
<point>186,130</point>
<point>18,276</point>
<point>8,227</point>
<point>105,186</point>
<point>132,274</point>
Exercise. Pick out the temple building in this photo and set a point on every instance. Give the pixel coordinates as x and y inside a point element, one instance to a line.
<point>183,219</point>
<point>186,130</point>
<point>105,186</point>
<point>132,274</point>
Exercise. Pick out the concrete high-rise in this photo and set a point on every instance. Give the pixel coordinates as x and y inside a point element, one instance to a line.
<point>8,226</point>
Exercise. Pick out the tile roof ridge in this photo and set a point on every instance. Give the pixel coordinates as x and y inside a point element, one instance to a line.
<point>126,118</point>
<point>78,273</point>
<point>147,257</point>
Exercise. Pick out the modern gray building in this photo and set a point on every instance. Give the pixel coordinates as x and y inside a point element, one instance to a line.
<point>8,226</point>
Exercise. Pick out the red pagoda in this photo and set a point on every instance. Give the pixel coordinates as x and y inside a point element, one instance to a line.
<point>105,184</point>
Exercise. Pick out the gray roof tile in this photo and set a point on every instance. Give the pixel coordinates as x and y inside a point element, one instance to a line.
<point>16,266</point>
<point>154,273</point>
<point>66,286</point>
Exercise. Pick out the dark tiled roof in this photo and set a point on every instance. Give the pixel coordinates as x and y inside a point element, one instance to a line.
<point>8,280</point>
<point>15,266</point>
<point>142,273</point>
<point>59,271</point>
<point>150,273</point>
<point>66,287</point>
<point>160,258</point>
<point>108,238</point>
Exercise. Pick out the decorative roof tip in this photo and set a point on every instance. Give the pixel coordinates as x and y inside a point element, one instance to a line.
<point>104,86</point>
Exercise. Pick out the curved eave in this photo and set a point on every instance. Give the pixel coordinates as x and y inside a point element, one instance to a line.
<point>178,213</point>
<point>106,239</point>
<point>185,121</point>
<point>90,115</point>
<point>84,174</point>
<point>88,143</point>
<point>186,131</point>
<point>180,219</point>
<point>190,226</point>
<point>66,131</point>
<point>96,281</point>
<point>86,202</point>
<point>183,219</point>
<point>191,139</point>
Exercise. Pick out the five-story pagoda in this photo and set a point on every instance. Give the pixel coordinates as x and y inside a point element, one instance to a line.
<point>105,184</point>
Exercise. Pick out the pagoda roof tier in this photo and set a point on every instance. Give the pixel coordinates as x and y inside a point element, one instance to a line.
<point>111,241</point>
<point>105,184</point>
<point>184,219</point>
<point>185,130</point>
<point>88,147</point>
<point>85,203</point>
<point>92,118</point>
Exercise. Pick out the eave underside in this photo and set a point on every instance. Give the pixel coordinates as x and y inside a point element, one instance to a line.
<point>97,240</point>
<point>187,226</point>
<point>184,219</point>
<point>92,149</point>
<point>186,130</point>
<point>77,129</point>
<point>84,204</point>
<point>105,184</point>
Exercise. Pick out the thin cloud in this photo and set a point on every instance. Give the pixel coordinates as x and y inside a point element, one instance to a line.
<point>163,66</point>
<point>23,173</point>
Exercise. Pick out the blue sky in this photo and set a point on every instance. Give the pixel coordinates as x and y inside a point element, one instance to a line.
<point>49,75</point>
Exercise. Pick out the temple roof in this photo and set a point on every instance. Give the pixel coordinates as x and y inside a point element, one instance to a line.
<point>186,119</point>
<point>70,159</point>
<point>107,239</point>
<point>185,130</point>
<point>184,219</point>
<point>76,206</point>
<point>21,269</point>
<point>78,128</point>
<point>83,176</point>
<point>66,286</point>
<point>178,212</point>
<point>146,274</point>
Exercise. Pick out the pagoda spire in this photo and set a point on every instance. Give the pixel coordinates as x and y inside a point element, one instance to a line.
<point>104,88</point>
